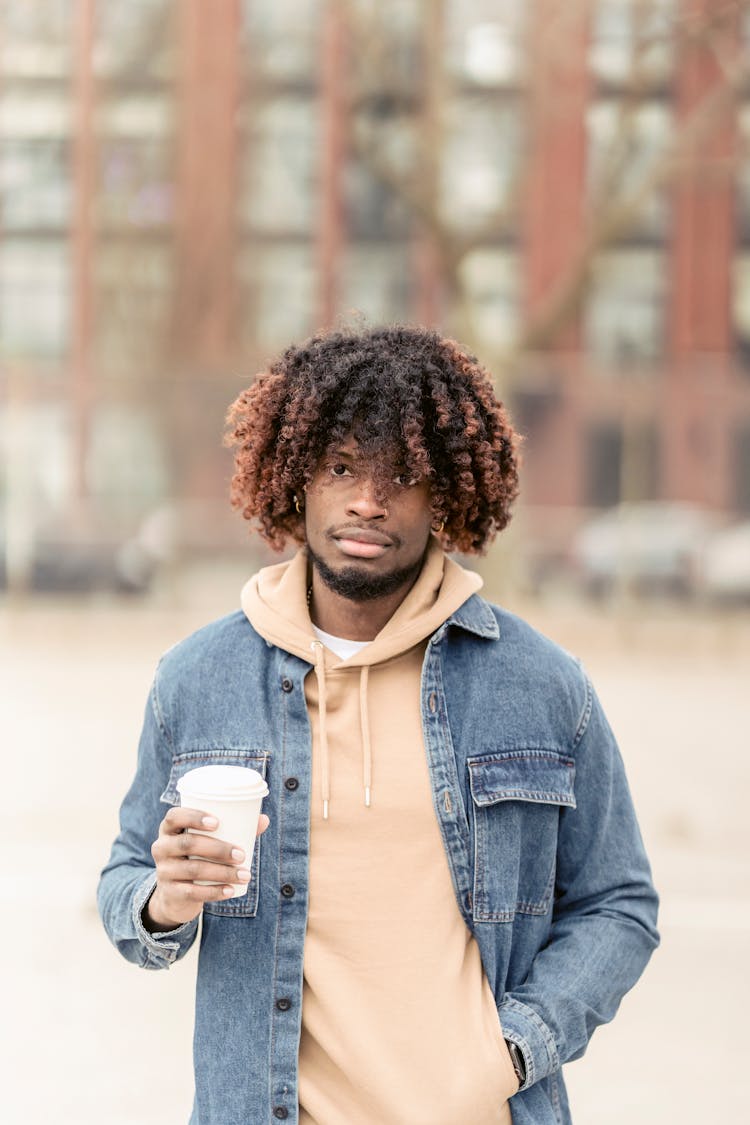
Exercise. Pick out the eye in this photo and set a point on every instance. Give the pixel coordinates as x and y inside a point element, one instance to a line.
<point>405,480</point>
<point>339,469</point>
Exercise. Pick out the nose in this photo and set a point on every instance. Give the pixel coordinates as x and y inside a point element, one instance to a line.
<point>364,503</point>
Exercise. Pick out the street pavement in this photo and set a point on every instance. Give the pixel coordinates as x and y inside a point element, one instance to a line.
<point>91,1039</point>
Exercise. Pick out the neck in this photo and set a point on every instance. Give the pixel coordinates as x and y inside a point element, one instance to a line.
<point>353,620</point>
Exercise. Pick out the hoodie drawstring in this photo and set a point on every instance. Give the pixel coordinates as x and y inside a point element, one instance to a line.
<point>325,765</point>
<point>365,722</point>
<point>320,675</point>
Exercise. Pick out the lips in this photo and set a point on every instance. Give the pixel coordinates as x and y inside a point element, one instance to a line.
<point>361,542</point>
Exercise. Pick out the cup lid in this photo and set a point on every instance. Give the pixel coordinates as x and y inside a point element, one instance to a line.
<point>223,783</point>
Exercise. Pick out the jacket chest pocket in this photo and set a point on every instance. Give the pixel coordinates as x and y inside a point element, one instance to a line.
<point>247,905</point>
<point>517,798</point>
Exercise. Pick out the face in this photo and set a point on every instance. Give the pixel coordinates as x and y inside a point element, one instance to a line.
<point>364,547</point>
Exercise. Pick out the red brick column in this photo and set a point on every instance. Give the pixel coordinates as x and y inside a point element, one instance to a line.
<point>207,177</point>
<point>697,404</point>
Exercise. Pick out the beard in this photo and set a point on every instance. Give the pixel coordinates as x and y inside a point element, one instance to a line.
<point>357,585</point>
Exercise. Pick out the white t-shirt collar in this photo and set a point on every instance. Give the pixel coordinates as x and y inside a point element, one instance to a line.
<point>343,647</point>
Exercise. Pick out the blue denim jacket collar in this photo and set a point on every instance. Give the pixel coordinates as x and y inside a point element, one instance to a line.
<point>475,616</point>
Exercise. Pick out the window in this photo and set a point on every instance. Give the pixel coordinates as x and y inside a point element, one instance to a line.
<point>135,115</point>
<point>373,209</point>
<point>133,293</point>
<point>480,161</point>
<point>36,479</point>
<point>281,166</point>
<point>624,315</point>
<point>624,144</point>
<point>375,282</point>
<point>33,113</point>
<point>603,461</point>
<point>491,281</point>
<point>279,294</point>
<point>34,184</point>
<point>36,38</point>
<point>134,40</point>
<point>135,182</point>
<point>388,37</point>
<point>621,463</point>
<point>126,466</point>
<point>632,41</point>
<point>135,156</point>
<point>282,37</point>
<point>34,298</point>
<point>387,151</point>
<point>484,44</point>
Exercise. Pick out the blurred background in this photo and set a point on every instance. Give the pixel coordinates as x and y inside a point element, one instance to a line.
<point>187,186</point>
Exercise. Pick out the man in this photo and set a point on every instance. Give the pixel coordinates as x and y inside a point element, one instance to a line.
<point>450,891</point>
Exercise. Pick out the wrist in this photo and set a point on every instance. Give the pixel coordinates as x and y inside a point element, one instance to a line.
<point>154,918</point>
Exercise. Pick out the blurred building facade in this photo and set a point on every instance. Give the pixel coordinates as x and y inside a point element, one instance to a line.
<point>186,187</point>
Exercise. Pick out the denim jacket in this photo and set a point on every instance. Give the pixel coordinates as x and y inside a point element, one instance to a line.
<point>547,862</point>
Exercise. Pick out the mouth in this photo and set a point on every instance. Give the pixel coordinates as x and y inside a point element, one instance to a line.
<point>362,543</point>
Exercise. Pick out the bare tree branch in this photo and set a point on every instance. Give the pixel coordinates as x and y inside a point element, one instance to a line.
<point>615,203</point>
<point>611,222</point>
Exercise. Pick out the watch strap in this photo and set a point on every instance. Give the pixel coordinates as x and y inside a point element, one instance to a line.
<point>517,1060</point>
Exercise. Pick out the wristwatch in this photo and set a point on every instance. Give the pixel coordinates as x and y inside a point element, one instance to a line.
<point>517,1059</point>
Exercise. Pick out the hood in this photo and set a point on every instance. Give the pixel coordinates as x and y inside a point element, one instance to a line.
<point>275,603</point>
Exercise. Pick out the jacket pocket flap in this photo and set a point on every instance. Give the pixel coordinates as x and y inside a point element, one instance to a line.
<point>253,759</point>
<point>543,776</point>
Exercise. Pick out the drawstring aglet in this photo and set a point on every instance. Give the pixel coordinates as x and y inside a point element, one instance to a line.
<point>325,809</point>
<point>367,796</point>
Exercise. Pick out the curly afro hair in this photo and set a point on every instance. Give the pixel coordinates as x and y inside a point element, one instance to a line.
<point>406,394</point>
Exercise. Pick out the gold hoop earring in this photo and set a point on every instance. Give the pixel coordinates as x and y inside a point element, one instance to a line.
<point>297,505</point>
<point>439,528</point>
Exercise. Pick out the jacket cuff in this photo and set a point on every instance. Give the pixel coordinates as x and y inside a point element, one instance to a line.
<point>522,1026</point>
<point>161,948</point>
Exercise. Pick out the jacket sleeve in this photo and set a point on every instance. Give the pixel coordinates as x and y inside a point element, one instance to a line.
<point>129,877</point>
<point>604,917</point>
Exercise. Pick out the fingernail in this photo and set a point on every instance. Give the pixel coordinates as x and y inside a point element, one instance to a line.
<point>238,855</point>
<point>243,875</point>
<point>227,891</point>
<point>209,822</point>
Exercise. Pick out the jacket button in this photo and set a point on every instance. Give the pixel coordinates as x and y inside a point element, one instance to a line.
<point>287,890</point>
<point>287,685</point>
<point>291,784</point>
<point>284,1004</point>
<point>280,1112</point>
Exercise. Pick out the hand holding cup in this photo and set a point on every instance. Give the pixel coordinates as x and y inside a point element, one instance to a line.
<point>193,866</point>
<point>182,857</point>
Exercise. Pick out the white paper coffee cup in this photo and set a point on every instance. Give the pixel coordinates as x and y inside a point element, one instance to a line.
<point>233,794</point>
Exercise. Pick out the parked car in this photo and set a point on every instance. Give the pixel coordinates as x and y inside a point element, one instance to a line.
<point>650,548</point>
<point>62,562</point>
<point>725,566</point>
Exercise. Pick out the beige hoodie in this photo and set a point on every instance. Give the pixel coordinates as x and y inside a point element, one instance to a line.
<point>398,1020</point>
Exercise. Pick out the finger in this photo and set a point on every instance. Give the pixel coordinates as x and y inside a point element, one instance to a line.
<point>178,819</point>
<point>263,823</point>
<point>194,869</point>
<point>186,843</point>
<point>215,894</point>
<point>181,899</point>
